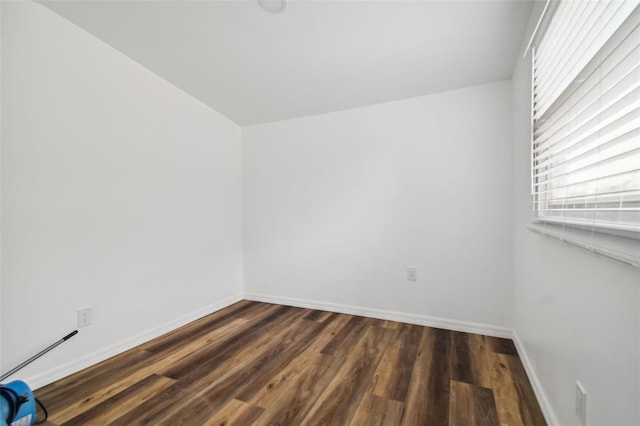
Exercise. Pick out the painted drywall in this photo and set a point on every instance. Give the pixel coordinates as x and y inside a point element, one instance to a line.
<point>119,192</point>
<point>575,314</point>
<point>338,205</point>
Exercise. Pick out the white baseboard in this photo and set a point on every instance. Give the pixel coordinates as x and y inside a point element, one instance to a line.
<point>545,406</point>
<point>76,365</point>
<point>449,324</point>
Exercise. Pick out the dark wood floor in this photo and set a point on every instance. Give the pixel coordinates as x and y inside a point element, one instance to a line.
<point>257,363</point>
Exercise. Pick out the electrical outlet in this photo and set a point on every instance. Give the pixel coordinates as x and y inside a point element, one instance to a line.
<point>84,317</point>
<point>581,403</point>
<point>412,273</point>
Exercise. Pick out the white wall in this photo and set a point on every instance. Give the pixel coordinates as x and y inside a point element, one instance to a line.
<point>576,314</point>
<point>119,192</point>
<point>338,205</point>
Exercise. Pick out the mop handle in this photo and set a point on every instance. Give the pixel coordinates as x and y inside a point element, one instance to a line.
<point>38,355</point>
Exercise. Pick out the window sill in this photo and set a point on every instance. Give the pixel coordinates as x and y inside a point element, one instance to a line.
<point>621,248</point>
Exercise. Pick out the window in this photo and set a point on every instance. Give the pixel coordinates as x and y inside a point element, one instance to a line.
<point>586,113</point>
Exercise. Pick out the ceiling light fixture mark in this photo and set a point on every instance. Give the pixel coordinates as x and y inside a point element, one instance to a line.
<point>273,6</point>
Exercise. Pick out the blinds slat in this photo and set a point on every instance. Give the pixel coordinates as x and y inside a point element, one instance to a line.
<point>630,197</point>
<point>627,161</point>
<point>576,46</point>
<point>628,106</point>
<point>586,110</point>
<point>578,51</point>
<point>588,90</point>
<point>587,160</point>
<point>599,141</point>
<point>590,187</point>
<point>580,35</point>
<point>617,62</point>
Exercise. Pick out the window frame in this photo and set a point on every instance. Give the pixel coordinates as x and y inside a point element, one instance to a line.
<point>622,245</point>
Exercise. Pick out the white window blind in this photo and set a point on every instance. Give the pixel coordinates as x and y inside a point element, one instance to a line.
<point>586,111</point>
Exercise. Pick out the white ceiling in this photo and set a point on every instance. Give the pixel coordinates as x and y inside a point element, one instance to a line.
<point>317,56</point>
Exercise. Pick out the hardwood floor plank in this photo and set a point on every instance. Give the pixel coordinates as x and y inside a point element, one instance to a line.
<point>337,404</point>
<point>288,401</point>
<point>238,357</point>
<point>347,336</point>
<point>313,315</point>
<point>122,402</point>
<point>224,363</point>
<point>481,360</point>
<point>261,364</point>
<point>383,376</point>
<point>90,380</point>
<point>391,324</point>
<point>156,364</point>
<point>514,396</point>
<point>194,359</point>
<point>246,381</point>
<point>472,405</point>
<point>192,352</point>
<point>374,410</point>
<point>289,395</point>
<point>235,412</point>
<point>192,330</point>
<point>318,316</point>
<point>470,362</point>
<point>396,368</point>
<point>502,346</point>
<point>325,315</point>
<point>505,393</point>
<point>428,396</point>
<point>460,358</point>
<point>404,363</point>
<point>302,365</point>
<point>273,362</point>
<point>332,325</point>
<point>528,407</point>
<point>155,408</point>
<point>96,392</point>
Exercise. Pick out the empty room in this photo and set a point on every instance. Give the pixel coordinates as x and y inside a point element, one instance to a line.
<point>320,212</point>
